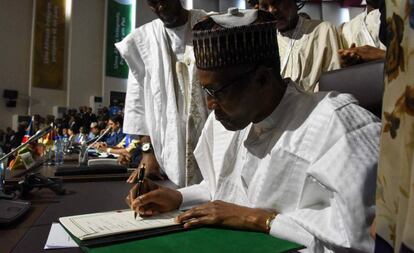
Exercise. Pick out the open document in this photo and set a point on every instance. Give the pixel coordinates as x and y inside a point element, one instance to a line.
<point>96,225</point>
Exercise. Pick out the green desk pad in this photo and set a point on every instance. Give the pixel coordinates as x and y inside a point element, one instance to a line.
<point>202,240</point>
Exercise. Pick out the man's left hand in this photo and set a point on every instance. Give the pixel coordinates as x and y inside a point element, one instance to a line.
<point>226,214</point>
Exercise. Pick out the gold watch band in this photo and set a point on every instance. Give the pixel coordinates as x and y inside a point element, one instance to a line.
<point>269,221</point>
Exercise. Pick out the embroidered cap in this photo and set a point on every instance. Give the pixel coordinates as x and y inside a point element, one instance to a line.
<point>236,38</point>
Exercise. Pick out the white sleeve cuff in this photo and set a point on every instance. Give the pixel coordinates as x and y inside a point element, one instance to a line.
<point>284,228</point>
<point>194,195</point>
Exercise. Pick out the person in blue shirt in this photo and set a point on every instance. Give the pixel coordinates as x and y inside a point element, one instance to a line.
<point>116,136</point>
<point>93,131</point>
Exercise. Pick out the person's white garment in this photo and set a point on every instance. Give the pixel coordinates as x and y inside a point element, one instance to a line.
<point>308,51</point>
<point>154,106</point>
<point>362,30</point>
<point>313,160</point>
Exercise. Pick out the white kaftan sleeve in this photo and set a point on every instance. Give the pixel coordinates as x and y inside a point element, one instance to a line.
<point>331,59</point>
<point>134,119</point>
<point>194,195</point>
<point>201,193</point>
<point>336,207</point>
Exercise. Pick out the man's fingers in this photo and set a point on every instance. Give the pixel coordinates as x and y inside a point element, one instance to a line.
<point>151,197</point>
<point>148,210</point>
<point>132,178</point>
<point>196,222</point>
<point>190,214</point>
<point>132,195</point>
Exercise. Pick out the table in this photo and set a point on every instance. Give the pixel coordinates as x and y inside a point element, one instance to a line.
<point>30,234</point>
<point>14,176</point>
<point>85,194</point>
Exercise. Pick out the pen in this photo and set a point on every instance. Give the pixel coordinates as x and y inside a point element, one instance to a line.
<point>140,183</point>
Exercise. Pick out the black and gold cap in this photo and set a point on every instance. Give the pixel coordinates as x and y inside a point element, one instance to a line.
<point>238,37</point>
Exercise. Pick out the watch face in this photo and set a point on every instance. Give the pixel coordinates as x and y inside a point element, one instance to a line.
<point>146,147</point>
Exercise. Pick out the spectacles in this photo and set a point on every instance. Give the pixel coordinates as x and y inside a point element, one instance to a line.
<point>155,3</point>
<point>214,92</point>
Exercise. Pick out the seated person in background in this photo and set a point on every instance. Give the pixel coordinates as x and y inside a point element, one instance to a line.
<point>17,137</point>
<point>360,37</point>
<point>128,149</point>
<point>72,132</point>
<point>307,48</point>
<point>82,136</point>
<point>94,130</point>
<point>300,166</point>
<point>65,133</point>
<point>363,29</point>
<point>116,135</point>
<point>127,146</point>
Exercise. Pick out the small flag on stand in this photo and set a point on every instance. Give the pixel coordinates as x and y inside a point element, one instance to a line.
<point>29,131</point>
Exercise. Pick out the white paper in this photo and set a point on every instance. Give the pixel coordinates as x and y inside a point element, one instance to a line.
<point>115,222</point>
<point>59,239</point>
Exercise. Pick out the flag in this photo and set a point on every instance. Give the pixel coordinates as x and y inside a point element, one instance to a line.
<point>29,131</point>
<point>48,139</point>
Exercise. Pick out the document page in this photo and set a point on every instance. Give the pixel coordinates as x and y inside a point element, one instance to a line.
<point>59,239</point>
<point>97,225</point>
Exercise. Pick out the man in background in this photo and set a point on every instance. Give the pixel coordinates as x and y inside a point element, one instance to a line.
<point>307,48</point>
<point>117,134</point>
<point>164,105</point>
<point>360,37</point>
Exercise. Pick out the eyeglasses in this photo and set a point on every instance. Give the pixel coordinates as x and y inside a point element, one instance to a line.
<point>214,92</point>
<point>155,3</point>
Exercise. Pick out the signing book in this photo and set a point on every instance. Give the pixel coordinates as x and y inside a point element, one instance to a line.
<point>100,225</point>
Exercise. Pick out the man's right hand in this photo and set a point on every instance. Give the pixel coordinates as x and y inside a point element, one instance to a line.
<point>156,199</point>
<point>152,168</point>
<point>356,55</point>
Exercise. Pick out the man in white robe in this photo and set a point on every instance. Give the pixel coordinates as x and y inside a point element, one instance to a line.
<point>360,37</point>
<point>307,48</point>
<point>363,29</point>
<point>163,106</point>
<point>300,166</point>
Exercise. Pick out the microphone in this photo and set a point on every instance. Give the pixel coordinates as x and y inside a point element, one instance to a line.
<point>11,210</point>
<point>83,156</point>
<point>39,134</point>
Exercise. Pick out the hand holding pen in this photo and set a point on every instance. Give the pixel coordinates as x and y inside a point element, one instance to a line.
<point>137,190</point>
<point>148,198</point>
<point>140,183</point>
